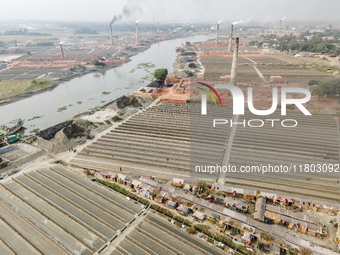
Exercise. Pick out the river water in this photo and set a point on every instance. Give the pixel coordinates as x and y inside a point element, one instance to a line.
<point>86,92</point>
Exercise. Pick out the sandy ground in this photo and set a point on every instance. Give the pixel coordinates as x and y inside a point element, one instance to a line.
<point>100,116</point>
<point>66,156</point>
<point>9,57</point>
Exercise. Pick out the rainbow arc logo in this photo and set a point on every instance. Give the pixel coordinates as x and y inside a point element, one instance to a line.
<point>208,92</point>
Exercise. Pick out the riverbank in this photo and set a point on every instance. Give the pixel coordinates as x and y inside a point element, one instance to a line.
<point>93,90</point>
<point>59,76</point>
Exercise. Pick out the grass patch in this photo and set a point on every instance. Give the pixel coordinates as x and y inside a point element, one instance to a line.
<point>120,113</point>
<point>60,162</point>
<point>79,102</point>
<point>12,88</point>
<point>62,109</point>
<point>36,130</point>
<point>89,123</point>
<point>107,122</point>
<point>106,93</point>
<point>35,117</point>
<point>116,118</point>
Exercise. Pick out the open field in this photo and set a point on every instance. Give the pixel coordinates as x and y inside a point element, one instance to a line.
<point>12,88</point>
<point>267,65</point>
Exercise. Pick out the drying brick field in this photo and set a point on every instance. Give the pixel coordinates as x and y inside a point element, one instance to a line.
<point>54,211</point>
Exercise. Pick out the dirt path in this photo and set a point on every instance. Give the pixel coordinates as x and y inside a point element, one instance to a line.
<point>108,250</point>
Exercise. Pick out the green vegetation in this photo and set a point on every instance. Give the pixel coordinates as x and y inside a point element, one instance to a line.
<point>60,162</point>
<point>107,122</point>
<point>318,43</point>
<point>35,117</point>
<point>36,130</point>
<point>116,118</point>
<point>120,113</point>
<point>329,88</point>
<point>313,82</point>
<point>70,105</point>
<point>89,123</point>
<point>146,65</point>
<point>106,93</point>
<point>62,109</point>
<point>160,74</point>
<point>122,190</point>
<point>162,210</point>
<point>79,102</point>
<point>96,62</point>
<point>10,88</point>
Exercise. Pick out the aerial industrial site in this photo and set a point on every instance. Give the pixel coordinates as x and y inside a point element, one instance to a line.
<point>151,127</point>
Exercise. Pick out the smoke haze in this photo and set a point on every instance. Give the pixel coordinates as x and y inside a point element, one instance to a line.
<point>171,11</point>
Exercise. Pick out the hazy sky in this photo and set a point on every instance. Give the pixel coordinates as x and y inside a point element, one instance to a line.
<point>171,10</point>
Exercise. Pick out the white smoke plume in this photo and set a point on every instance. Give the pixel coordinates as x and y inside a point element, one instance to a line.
<point>284,18</point>
<point>238,22</point>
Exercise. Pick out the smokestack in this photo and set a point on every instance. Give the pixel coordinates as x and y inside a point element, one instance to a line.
<point>231,37</point>
<point>136,31</point>
<point>158,27</point>
<point>234,64</point>
<point>217,32</point>
<point>279,27</point>
<point>111,39</point>
<point>61,50</point>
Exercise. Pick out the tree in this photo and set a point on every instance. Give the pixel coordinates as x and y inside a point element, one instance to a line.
<point>160,74</point>
<point>95,62</point>
<point>313,82</point>
<point>329,88</point>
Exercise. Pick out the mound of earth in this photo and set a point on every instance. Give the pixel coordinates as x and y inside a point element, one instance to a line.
<point>77,69</point>
<point>192,65</point>
<point>76,129</point>
<point>125,101</point>
<point>50,132</point>
<point>184,60</point>
<point>184,74</point>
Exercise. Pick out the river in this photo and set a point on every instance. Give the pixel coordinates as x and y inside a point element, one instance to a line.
<point>86,92</point>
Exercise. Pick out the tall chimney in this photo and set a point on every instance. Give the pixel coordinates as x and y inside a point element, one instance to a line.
<point>136,31</point>
<point>217,32</point>
<point>279,27</point>
<point>158,27</point>
<point>61,50</point>
<point>234,64</point>
<point>231,37</point>
<point>111,39</point>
